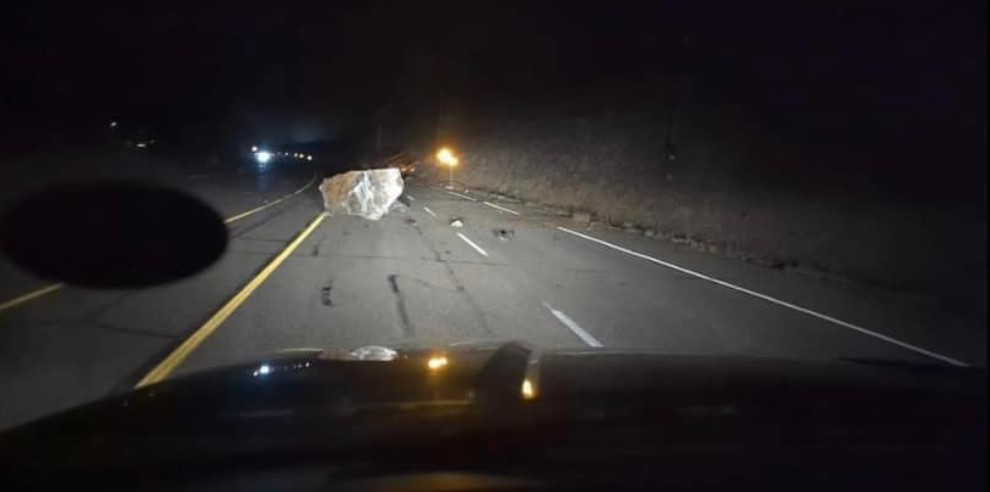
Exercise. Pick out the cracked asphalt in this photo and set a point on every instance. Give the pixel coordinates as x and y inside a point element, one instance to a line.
<point>512,272</point>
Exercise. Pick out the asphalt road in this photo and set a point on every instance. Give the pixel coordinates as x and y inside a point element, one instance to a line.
<point>512,272</point>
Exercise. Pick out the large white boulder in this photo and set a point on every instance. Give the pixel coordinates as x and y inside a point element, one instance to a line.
<point>368,194</point>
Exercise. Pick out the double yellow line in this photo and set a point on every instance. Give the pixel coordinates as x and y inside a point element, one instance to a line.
<point>48,289</point>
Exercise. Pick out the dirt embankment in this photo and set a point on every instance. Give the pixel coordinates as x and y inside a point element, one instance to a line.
<point>638,178</point>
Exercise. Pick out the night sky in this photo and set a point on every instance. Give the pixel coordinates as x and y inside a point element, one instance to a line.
<point>861,77</point>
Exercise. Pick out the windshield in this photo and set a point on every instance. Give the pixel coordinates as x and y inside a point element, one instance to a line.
<point>187,188</point>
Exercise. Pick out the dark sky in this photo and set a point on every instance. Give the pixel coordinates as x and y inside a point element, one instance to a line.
<point>830,70</point>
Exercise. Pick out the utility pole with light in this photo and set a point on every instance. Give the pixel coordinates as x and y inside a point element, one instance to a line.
<point>447,158</point>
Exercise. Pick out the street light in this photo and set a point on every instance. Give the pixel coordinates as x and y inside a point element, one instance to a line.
<point>437,362</point>
<point>528,391</point>
<point>447,158</point>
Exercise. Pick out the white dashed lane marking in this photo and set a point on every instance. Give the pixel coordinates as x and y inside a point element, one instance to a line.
<point>471,243</point>
<point>573,326</point>
<point>462,196</point>
<point>501,208</point>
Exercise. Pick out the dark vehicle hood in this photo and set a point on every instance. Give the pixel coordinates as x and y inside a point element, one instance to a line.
<point>333,404</point>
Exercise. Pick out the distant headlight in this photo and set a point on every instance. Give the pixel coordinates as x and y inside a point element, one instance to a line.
<point>263,156</point>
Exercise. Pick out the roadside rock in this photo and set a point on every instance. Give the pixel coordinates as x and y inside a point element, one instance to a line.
<point>368,194</point>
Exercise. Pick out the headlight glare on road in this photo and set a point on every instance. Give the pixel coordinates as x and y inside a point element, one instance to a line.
<point>437,362</point>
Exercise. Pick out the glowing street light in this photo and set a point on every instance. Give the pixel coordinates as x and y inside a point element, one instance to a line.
<point>528,391</point>
<point>447,158</point>
<point>254,148</point>
<point>437,362</point>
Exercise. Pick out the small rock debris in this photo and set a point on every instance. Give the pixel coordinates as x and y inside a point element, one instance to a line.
<point>504,234</point>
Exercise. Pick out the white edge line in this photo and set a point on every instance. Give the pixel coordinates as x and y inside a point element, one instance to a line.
<point>471,243</point>
<point>774,300</point>
<point>427,209</point>
<point>463,196</point>
<point>513,212</point>
<point>574,327</point>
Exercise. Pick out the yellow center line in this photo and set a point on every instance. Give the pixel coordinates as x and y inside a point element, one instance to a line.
<point>30,296</point>
<point>170,363</point>
<point>21,299</point>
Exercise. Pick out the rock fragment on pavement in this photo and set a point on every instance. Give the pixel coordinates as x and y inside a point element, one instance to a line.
<point>504,234</point>
<point>367,194</point>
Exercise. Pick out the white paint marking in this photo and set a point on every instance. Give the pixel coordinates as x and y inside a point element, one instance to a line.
<point>492,205</point>
<point>574,327</point>
<point>471,243</point>
<point>427,209</point>
<point>411,198</point>
<point>774,300</point>
<point>462,196</point>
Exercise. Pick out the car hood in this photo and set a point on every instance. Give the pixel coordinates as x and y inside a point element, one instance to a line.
<point>342,399</point>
